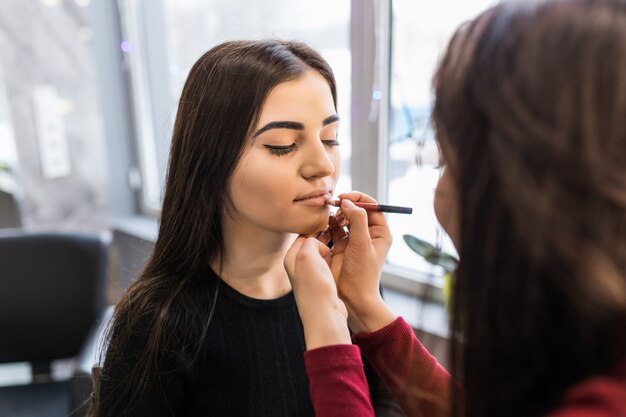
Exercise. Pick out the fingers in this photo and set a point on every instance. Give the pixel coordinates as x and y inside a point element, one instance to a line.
<point>303,246</point>
<point>339,235</point>
<point>357,196</point>
<point>373,218</point>
<point>306,259</point>
<point>358,223</point>
<point>314,247</point>
<point>290,257</point>
<point>325,236</point>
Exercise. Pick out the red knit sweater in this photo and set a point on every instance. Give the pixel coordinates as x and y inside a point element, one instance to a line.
<point>339,389</point>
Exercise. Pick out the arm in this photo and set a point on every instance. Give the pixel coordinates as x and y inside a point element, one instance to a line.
<point>336,377</point>
<point>597,396</point>
<point>413,376</point>
<point>351,271</point>
<point>330,285</point>
<point>383,401</point>
<point>337,382</point>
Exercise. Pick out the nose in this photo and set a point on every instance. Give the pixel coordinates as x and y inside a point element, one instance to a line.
<point>317,161</point>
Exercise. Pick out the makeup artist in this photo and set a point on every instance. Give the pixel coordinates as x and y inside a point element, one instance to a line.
<point>530,115</point>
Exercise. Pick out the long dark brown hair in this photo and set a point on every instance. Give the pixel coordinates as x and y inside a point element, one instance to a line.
<point>530,112</point>
<point>169,305</point>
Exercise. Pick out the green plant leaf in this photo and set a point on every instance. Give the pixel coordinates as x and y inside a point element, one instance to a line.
<point>431,254</point>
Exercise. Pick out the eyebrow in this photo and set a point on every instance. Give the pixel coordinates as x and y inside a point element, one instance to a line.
<point>293,125</point>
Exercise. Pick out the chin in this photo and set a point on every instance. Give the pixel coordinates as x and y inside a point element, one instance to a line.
<point>312,227</point>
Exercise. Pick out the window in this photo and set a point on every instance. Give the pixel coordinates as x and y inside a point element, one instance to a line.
<point>383,52</point>
<point>418,34</point>
<point>163,38</point>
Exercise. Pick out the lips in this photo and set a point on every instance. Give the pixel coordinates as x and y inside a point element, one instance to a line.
<point>316,199</point>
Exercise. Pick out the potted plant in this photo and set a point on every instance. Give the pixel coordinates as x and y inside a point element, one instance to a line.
<point>435,256</point>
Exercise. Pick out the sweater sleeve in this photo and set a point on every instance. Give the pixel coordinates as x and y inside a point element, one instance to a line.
<point>411,373</point>
<point>599,396</point>
<point>337,382</point>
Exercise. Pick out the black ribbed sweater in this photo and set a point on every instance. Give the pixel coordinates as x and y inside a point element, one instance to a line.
<point>251,366</point>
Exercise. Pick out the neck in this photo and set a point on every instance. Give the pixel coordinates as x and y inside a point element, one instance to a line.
<point>252,261</point>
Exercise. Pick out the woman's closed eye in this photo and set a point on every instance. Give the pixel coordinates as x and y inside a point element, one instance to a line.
<point>286,149</point>
<point>281,149</point>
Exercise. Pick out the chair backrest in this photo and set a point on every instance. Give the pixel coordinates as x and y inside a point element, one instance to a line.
<point>9,211</point>
<point>52,290</point>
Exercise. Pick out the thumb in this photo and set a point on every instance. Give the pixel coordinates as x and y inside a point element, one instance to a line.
<point>290,258</point>
<point>357,219</point>
<point>313,245</point>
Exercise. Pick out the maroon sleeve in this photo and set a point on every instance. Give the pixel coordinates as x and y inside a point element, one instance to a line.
<point>601,396</point>
<point>337,382</point>
<point>420,385</point>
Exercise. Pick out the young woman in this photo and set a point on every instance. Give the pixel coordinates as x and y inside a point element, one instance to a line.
<point>211,326</point>
<point>530,113</point>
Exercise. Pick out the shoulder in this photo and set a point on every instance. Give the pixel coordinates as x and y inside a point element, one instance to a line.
<point>169,326</point>
<point>602,396</point>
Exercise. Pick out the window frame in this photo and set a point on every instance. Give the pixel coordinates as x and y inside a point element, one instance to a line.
<point>148,97</point>
<point>371,47</point>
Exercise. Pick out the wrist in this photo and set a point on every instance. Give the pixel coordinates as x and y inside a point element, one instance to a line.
<point>369,316</point>
<point>326,325</point>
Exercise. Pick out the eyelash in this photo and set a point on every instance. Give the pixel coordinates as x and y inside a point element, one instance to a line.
<point>280,150</point>
<point>284,150</point>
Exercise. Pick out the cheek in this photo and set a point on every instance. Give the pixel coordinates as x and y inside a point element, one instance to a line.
<point>261,192</point>
<point>257,185</point>
<point>439,203</point>
<point>445,204</point>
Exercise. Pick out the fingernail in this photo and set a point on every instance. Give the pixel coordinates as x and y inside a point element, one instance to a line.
<point>346,203</point>
<point>338,213</point>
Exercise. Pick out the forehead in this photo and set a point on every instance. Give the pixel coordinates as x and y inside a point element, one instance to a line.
<point>307,97</point>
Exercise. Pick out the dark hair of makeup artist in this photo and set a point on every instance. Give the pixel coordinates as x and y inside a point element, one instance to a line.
<point>218,109</point>
<point>530,115</point>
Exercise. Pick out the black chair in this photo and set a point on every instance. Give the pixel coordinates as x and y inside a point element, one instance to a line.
<point>9,211</point>
<point>52,293</point>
